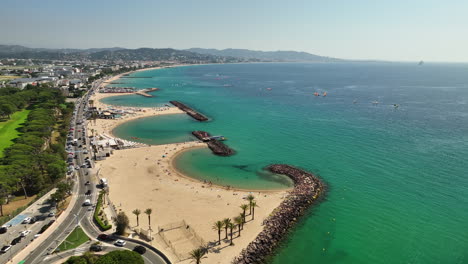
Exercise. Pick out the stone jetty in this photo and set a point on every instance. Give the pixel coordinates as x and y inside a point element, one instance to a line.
<point>307,189</point>
<point>191,112</point>
<point>117,90</point>
<point>216,146</point>
<point>145,92</point>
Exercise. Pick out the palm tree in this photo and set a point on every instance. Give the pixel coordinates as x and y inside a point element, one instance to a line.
<point>197,254</point>
<point>250,198</point>
<point>148,212</point>
<point>244,208</point>
<point>242,215</point>
<point>231,227</point>
<point>226,222</point>
<point>218,226</point>
<point>254,204</point>
<point>137,212</point>
<point>238,221</point>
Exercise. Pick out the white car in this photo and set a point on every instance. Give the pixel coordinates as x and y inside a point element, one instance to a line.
<point>25,233</point>
<point>27,220</point>
<point>5,248</point>
<point>120,243</point>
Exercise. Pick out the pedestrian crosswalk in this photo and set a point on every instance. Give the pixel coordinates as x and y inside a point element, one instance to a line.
<point>80,250</point>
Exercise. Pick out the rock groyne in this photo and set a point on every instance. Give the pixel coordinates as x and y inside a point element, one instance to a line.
<point>307,188</point>
<point>145,92</point>
<point>191,112</point>
<point>216,146</point>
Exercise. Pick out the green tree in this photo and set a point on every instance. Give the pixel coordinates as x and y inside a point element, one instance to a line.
<point>226,222</point>
<point>218,226</point>
<point>121,257</point>
<point>250,198</point>
<point>238,221</point>
<point>242,215</point>
<point>148,212</point>
<point>254,204</point>
<point>197,255</point>
<point>137,212</point>
<point>244,208</point>
<point>121,223</point>
<point>231,226</point>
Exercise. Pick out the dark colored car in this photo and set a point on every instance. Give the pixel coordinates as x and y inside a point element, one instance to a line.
<point>95,248</point>
<point>88,192</point>
<point>16,241</point>
<point>103,237</point>
<point>3,229</point>
<point>140,249</point>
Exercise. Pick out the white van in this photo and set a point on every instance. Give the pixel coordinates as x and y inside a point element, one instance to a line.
<point>87,202</point>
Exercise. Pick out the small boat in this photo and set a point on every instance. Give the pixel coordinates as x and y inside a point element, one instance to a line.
<point>375,102</point>
<point>325,94</point>
<point>316,94</point>
<point>396,105</point>
<point>269,89</point>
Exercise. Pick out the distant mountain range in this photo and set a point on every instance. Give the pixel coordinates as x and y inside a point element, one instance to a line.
<point>266,55</point>
<point>194,55</point>
<point>111,54</point>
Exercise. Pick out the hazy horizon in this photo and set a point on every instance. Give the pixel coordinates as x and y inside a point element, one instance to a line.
<point>364,30</point>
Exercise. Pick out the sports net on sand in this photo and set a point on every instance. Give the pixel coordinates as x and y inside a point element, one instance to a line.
<point>181,238</point>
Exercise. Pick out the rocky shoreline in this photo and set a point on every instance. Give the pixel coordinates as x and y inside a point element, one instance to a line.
<point>191,112</point>
<point>307,188</point>
<point>216,146</point>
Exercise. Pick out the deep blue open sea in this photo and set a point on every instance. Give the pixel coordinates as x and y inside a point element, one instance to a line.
<point>397,176</point>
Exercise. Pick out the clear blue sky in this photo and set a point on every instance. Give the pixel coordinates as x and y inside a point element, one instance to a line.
<point>399,30</point>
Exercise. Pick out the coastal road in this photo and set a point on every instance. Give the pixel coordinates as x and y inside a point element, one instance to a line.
<point>80,215</point>
<point>40,210</point>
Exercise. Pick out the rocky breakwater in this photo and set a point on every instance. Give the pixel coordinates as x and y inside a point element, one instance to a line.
<point>144,92</point>
<point>216,146</point>
<point>191,112</point>
<point>307,188</point>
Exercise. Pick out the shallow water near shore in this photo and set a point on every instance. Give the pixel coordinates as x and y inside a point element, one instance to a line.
<point>396,176</point>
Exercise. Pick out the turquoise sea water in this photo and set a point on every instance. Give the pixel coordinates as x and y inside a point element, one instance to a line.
<point>397,176</point>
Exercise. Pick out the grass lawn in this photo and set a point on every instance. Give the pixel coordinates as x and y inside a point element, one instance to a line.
<point>74,240</point>
<point>8,128</point>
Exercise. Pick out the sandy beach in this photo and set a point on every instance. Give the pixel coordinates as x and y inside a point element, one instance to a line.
<point>142,178</point>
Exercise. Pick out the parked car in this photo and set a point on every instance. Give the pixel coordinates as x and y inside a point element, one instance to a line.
<point>51,214</point>
<point>25,233</point>
<point>104,237</point>
<point>120,243</point>
<point>16,241</point>
<point>3,229</point>
<point>95,248</point>
<point>5,248</point>
<point>140,249</point>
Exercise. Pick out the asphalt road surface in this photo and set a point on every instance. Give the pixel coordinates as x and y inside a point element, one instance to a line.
<point>79,213</point>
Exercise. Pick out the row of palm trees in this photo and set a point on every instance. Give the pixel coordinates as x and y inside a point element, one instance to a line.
<point>148,212</point>
<point>227,224</point>
<point>238,221</point>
